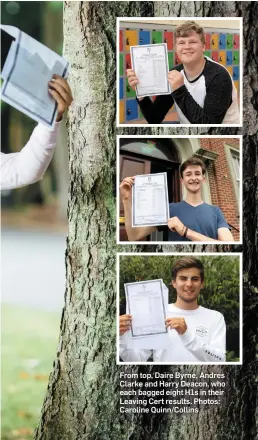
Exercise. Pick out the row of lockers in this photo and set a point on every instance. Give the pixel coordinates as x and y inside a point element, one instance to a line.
<point>213,40</point>
<point>125,90</point>
<point>226,58</point>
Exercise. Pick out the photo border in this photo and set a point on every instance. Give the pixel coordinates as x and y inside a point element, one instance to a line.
<point>126,243</point>
<point>148,19</point>
<point>158,254</point>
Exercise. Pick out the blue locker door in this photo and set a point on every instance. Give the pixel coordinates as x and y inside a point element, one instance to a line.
<point>121,88</point>
<point>144,37</point>
<point>131,109</point>
<point>222,41</point>
<point>229,59</point>
<point>236,73</point>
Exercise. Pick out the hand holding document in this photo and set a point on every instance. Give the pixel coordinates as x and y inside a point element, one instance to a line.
<point>28,68</point>
<point>150,200</point>
<point>150,64</point>
<point>147,303</point>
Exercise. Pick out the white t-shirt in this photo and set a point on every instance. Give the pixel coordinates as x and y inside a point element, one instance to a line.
<point>203,341</point>
<point>29,165</point>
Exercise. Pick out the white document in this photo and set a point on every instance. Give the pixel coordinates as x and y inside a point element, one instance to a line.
<point>150,63</point>
<point>28,68</point>
<point>149,341</point>
<point>150,200</point>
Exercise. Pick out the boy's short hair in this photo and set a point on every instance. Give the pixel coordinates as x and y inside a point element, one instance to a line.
<point>187,263</point>
<point>194,160</point>
<point>185,29</point>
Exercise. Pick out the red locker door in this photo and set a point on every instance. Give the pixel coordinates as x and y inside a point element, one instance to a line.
<point>128,63</point>
<point>168,38</point>
<point>236,41</point>
<point>207,41</point>
<point>215,56</point>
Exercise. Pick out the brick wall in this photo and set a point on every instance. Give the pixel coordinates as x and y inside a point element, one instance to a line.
<point>220,180</point>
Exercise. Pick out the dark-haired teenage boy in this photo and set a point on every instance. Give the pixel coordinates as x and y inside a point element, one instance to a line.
<point>191,219</point>
<point>196,334</point>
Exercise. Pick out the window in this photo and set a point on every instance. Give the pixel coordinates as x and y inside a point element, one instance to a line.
<point>236,166</point>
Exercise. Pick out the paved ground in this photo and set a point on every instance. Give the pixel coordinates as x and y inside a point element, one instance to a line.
<point>33,268</point>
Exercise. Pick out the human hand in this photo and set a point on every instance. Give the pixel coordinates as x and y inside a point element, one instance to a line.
<point>132,78</point>
<point>124,323</point>
<point>175,79</point>
<point>178,324</point>
<point>126,188</point>
<point>59,89</point>
<point>176,225</point>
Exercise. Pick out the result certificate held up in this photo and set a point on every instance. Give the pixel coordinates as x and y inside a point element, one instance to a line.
<point>150,63</point>
<point>145,301</point>
<point>150,200</point>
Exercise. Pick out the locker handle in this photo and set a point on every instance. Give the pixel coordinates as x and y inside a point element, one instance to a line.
<point>140,40</point>
<point>227,58</point>
<point>153,41</point>
<point>235,42</point>
<point>128,111</point>
<point>220,58</point>
<point>165,40</point>
<point>127,41</point>
<point>213,42</point>
<point>128,65</point>
<point>220,42</point>
<point>234,57</point>
<point>128,89</point>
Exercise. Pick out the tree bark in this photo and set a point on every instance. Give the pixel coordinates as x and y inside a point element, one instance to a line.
<point>82,401</point>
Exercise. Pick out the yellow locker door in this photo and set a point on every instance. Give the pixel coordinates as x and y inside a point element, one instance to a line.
<point>230,70</point>
<point>131,39</point>
<point>222,57</point>
<point>121,112</point>
<point>214,41</point>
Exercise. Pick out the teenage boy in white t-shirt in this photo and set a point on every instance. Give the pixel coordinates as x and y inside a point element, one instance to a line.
<point>29,165</point>
<point>196,334</point>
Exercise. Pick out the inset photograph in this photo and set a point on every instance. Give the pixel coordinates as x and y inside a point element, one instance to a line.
<point>179,308</point>
<point>179,189</point>
<point>179,71</point>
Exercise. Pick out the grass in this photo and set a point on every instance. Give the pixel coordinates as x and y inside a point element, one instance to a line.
<point>29,341</point>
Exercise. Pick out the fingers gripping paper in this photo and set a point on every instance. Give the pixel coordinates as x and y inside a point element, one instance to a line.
<point>28,68</point>
<point>149,308</point>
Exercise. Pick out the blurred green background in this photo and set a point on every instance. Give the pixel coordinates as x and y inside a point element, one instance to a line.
<point>221,290</point>
<point>27,357</point>
<point>34,227</point>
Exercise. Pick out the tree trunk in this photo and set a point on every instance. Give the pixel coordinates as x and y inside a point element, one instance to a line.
<point>82,401</point>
